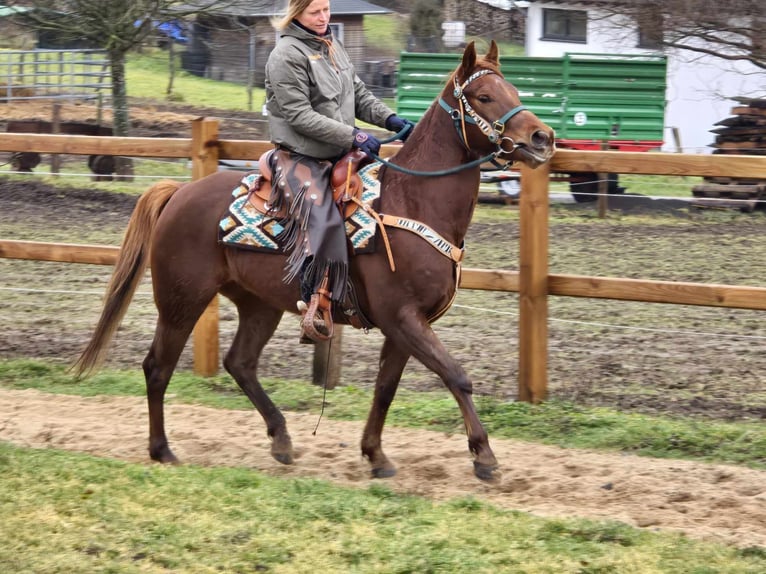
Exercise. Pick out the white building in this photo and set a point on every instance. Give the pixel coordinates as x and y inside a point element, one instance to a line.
<point>699,86</point>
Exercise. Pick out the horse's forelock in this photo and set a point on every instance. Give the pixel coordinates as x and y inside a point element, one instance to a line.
<point>481,64</point>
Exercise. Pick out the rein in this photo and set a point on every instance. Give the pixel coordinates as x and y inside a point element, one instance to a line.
<point>449,171</point>
<point>466,114</point>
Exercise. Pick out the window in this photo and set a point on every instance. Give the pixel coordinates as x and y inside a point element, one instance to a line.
<point>565,25</point>
<point>337,31</point>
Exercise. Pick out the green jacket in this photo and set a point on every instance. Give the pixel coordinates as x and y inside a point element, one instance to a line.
<point>313,96</point>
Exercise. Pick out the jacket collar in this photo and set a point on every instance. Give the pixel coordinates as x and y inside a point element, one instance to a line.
<point>305,34</point>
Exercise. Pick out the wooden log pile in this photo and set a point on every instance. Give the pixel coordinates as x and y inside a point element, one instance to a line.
<point>742,134</point>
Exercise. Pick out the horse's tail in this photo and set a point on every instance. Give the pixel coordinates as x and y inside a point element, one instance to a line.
<point>132,262</point>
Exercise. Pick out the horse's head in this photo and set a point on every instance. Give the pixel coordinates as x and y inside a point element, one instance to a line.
<point>489,115</point>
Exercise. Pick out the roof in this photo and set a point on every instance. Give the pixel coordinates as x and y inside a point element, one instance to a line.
<point>269,8</point>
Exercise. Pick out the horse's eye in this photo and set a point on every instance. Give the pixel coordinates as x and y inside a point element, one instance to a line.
<point>484,99</point>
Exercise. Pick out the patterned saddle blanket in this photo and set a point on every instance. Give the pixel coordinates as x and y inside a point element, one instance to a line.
<point>247,225</point>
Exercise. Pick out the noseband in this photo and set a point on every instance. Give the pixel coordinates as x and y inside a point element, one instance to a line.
<point>466,114</point>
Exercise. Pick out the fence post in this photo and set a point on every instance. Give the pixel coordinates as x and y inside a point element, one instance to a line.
<point>204,162</point>
<point>603,189</point>
<point>56,129</point>
<point>327,360</point>
<point>533,284</point>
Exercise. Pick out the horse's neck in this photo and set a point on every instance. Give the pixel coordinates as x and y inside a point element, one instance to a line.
<point>444,203</point>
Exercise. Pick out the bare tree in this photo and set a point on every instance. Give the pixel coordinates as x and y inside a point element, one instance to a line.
<point>116,26</point>
<point>425,26</point>
<point>734,30</point>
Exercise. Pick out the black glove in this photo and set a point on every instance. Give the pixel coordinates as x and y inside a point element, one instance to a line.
<point>368,143</point>
<point>396,124</point>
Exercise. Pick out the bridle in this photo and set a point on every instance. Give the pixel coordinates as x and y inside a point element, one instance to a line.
<point>465,114</point>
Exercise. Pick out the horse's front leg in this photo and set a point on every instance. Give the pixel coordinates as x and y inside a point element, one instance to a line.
<point>417,337</point>
<point>391,365</point>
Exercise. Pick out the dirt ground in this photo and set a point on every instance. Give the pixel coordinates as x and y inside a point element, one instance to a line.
<point>692,361</point>
<point>713,502</point>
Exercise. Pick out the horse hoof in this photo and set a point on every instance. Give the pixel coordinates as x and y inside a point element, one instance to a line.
<point>166,459</point>
<point>486,472</point>
<point>283,457</point>
<point>383,472</point>
<point>164,456</point>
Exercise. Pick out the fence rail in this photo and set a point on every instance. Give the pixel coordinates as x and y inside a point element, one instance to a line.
<point>533,282</point>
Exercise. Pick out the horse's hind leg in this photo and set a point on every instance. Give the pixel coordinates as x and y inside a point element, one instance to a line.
<point>160,361</point>
<point>392,363</point>
<point>257,323</point>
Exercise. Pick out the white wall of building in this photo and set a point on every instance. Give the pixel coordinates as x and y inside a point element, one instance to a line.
<point>699,86</point>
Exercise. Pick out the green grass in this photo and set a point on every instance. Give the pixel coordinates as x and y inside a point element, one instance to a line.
<point>63,512</point>
<point>147,77</point>
<point>554,422</point>
<point>387,33</point>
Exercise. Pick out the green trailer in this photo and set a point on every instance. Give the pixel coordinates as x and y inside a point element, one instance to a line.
<point>593,101</point>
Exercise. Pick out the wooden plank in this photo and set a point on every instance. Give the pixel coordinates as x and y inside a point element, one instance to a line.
<point>744,205</point>
<point>744,130</point>
<point>62,252</point>
<point>752,102</point>
<point>741,121</point>
<point>533,284</point>
<point>733,190</point>
<point>243,149</point>
<point>748,111</point>
<point>659,163</point>
<point>674,292</point>
<point>738,145</point>
<point>96,145</point>
<point>489,280</point>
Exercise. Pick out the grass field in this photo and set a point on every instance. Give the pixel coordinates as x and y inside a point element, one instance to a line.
<point>62,513</point>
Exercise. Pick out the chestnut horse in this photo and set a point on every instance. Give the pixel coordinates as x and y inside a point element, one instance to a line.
<point>174,229</point>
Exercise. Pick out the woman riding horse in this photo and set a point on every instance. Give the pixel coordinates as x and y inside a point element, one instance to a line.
<point>313,97</point>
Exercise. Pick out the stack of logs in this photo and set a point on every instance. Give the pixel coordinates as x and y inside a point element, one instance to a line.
<point>744,133</point>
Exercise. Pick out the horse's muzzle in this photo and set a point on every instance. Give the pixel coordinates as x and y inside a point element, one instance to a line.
<point>537,150</point>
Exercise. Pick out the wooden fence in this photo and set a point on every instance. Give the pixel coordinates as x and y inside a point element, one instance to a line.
<point>533,282</point>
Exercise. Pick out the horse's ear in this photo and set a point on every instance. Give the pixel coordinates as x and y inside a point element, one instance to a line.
<point>492,53</point>
<point>469,58</point>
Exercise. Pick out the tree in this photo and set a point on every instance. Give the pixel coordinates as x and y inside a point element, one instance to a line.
<point>426,25</point>
<point>734,30</point>
<point>116,26</point>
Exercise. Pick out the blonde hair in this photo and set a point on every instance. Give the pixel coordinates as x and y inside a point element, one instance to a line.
<point>292,10</point>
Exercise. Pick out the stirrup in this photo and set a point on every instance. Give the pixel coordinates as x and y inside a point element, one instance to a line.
<point>302,308</point>
<point>316,320</point>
